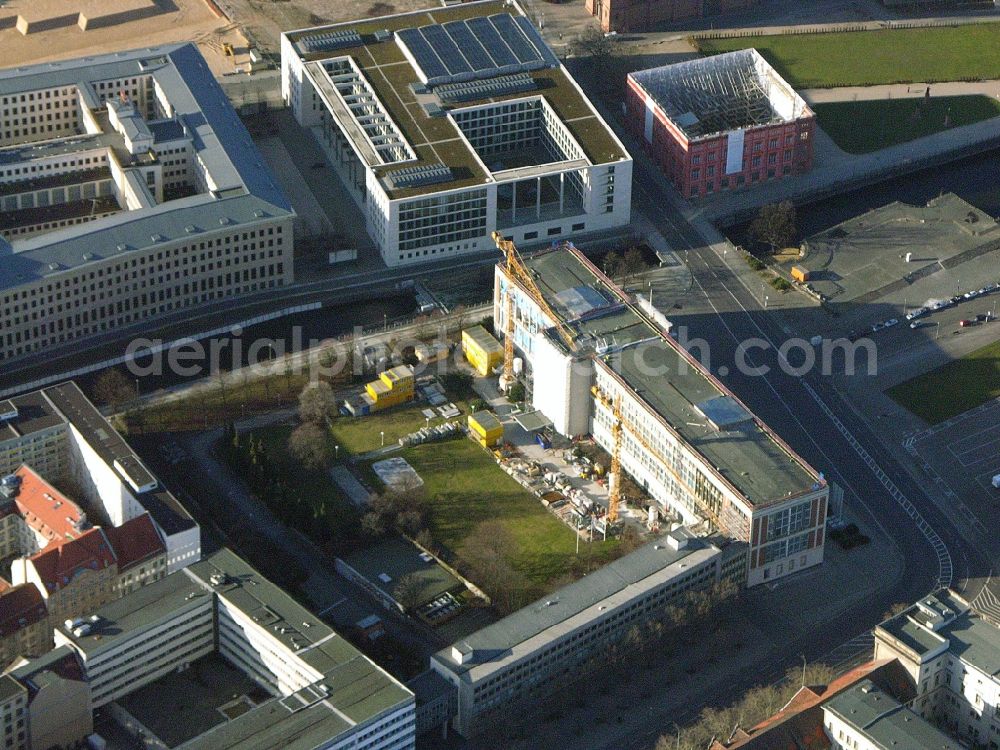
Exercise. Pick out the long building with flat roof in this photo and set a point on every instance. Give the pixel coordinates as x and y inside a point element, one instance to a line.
<point>697,449</point>
<point>518,656</point>
<point>129,189</point>
<point>450,123</point>
<point>324,692</point>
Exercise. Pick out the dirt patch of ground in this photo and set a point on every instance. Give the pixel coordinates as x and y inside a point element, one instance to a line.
<point>265,20</point>
<point>172,21</point>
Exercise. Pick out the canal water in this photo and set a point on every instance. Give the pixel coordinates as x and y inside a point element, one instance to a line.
<point>976,180</point>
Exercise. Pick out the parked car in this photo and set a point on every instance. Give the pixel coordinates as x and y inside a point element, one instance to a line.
<point>964,323</point>
<point>891,322</point>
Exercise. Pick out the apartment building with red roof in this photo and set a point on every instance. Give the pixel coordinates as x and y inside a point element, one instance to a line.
<point>73,577</point>
<point>24,623</point>
<point>34,514</point>
<point>139,551</point>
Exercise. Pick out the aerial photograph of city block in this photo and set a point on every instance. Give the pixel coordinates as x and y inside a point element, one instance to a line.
<point>499,374</point>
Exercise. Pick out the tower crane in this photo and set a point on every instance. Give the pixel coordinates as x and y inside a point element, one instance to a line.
<point>516,269</point>
<point>615,473</point>
<point>618,427</point>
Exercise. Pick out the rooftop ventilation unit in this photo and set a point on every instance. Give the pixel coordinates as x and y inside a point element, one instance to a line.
<point>330,40</point>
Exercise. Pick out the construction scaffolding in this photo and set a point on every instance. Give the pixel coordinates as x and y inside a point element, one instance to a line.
<point>719,94</point>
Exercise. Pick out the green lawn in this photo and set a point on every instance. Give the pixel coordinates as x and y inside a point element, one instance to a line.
<point>357,435</point>
<point>952,388</point>
<point>466,487</point>
<point>891,121</point>
<point>861,58</point>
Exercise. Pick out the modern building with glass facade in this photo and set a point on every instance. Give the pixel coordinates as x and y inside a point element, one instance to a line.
<point>450,123</point>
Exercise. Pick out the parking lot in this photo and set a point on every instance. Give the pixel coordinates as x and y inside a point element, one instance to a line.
<point>885,263</point>
<point>962,455</point>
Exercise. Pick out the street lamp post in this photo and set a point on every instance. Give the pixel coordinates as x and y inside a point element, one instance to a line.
<point>137,389</point>
<point>678,730</point>
<point>382,433</point>
<point>803,669</point>
<point>336,453</point>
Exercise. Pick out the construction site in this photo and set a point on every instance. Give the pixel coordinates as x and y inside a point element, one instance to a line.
<point>46,30</point>
<point>720,122</point>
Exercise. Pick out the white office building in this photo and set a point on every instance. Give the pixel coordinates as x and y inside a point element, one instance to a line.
<point>450,123</point>
<point>953,655</point>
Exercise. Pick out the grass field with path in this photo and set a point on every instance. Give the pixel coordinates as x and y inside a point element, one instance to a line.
<point>952,388</point>
<point>465,487</point>
<point>892,121</point>
<point>358,435</point>
<point>864,58</point>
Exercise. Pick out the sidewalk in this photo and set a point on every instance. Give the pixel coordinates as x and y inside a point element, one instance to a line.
<point>989,88</point>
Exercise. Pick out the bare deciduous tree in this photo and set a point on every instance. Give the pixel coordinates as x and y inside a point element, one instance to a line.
<point>113,389</point>
<point>309,446</point>
<point>316,403</point>
<point>775,225</point>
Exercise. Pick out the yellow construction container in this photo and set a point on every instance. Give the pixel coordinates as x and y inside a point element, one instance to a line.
<point>800,274</point>
<point>486,428</point>
<point>482,350</point>
<point>393,387</point>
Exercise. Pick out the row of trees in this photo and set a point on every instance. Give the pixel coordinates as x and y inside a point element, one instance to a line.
<point>614,663</point>
<point>757,704</point>
<point>624,266</point>
<point>403,511</point>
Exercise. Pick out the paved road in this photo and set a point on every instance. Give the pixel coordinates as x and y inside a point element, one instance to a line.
<point>799,409</point>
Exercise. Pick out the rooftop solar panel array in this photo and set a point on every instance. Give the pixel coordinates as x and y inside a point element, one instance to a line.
<point>484,47</point>
<point>467,91</point>
<point>330,40</point>
<point>426,174</point>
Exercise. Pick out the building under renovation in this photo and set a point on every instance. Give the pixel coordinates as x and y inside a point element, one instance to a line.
<point>645,15</point>
<point>601,363</point>
<point>720,123</point>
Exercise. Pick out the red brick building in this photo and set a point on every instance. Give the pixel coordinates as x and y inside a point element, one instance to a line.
<point>644,15</point>
<point>720,123</point>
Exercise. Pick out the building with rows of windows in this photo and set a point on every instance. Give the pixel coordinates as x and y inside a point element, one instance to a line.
<point>448,124</point>
<point>951,653</point>
<point>720,123</point>
<point>519,657</point>
<point>301,684</point>
<point>685,438</point>
<point>61,436</point>
<point>129,189</point>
